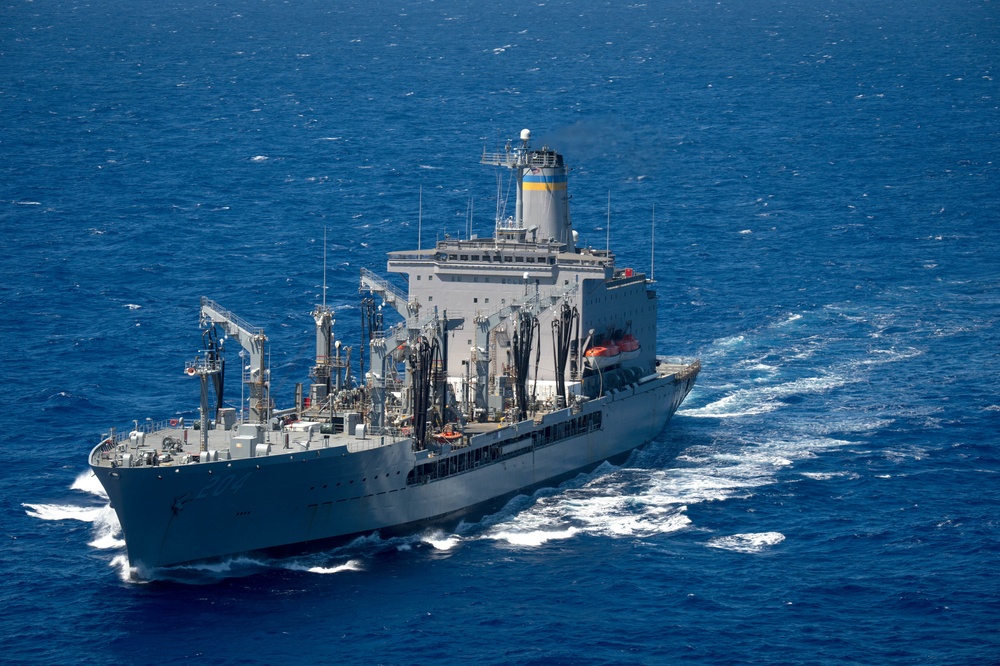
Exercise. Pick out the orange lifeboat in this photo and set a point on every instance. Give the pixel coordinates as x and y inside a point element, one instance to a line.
<point>448,437</point>
<point>603,355</point>
<point>628,346</point>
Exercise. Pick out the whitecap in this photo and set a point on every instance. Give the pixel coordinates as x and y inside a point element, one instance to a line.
<point>86,514</point>
<point>747,543</point>
<point>532,538</point>
<point>791,318</point>
<point>826,476</point>
<point>881,356</point>
<point>762,367</point>
<point>439,541</point>
<point>350,565</point>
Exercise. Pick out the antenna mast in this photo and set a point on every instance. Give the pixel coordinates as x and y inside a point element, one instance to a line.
<point>652,248</point>
<point>470,208</point>
<point>607,231</point>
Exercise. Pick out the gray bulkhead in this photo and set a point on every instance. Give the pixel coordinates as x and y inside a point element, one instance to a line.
<point>533,261</point>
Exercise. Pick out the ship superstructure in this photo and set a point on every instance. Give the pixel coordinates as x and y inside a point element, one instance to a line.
<point>520,359</point>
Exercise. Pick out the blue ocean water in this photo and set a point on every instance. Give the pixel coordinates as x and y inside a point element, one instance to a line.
<point>825,184</point>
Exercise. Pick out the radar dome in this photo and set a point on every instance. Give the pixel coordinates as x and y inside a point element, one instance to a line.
<point>525,135</point>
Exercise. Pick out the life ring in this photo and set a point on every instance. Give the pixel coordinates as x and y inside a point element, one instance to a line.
<point>173,423</point>
<point>190,372</point>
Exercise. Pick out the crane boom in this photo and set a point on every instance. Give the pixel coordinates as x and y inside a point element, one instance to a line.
<point>253,340</point>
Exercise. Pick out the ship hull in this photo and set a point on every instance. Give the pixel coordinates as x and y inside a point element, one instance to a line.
<point>310,499</point>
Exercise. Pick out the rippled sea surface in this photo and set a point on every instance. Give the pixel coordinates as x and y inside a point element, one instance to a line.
<point>824,182</point>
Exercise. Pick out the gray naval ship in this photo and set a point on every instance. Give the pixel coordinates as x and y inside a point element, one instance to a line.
<point>521,359</point>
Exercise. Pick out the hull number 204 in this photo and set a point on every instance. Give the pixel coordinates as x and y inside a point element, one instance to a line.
<point>220,484</point>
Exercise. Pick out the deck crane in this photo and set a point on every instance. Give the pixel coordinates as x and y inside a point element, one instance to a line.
<point>253,340</point>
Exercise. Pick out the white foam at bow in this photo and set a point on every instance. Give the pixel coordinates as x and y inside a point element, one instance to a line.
<point>108,530</point>
<point>120,562</point>
<point>87,482</point>
<point>105,521</point>
<point>86,514</point>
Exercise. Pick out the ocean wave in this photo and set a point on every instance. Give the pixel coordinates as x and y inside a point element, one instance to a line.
<point>532,537</point>
<point>350,565</point>
<point>316,565</point>
<point>440,541</point>
<point>107,529</point>
<point>87,482</point>
<point>237,566</point>
<point>747,543</point>
<point>792,318</point>
<point>84,514</point>
<point>891,355</point>
<point>198,573</point>
<point>826,476</point>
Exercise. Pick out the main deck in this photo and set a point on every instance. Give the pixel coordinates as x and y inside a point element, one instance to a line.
<point>176,442</point>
